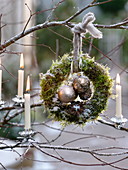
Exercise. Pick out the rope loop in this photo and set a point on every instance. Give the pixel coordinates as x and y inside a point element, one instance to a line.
<point>82,28</point>
<point>87,26</point>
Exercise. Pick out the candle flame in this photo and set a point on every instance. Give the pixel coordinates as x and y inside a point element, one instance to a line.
<point>28,84</point>
<point>118,79</point>
<point>22,61</point>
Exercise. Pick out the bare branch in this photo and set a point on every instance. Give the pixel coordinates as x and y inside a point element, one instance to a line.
<point>107,56</point>
<point>41,45</point>
<point>92,4</point>
<point>28,18</point>
<point>30,30</point>
<point>114,125</point>
<point>56,23</point>
<point>3,166</point>
<point>8,72</point>
<point>0,28</point>
<point>119,25</point>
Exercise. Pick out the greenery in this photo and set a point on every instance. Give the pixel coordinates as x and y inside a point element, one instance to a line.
<point>113,7</point>
<point>90,109</point>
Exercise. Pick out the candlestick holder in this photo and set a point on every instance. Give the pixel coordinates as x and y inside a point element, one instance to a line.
<point>2,103</point>
<point>120,120</point>
<point>18,101</point>
<point>26,135</point>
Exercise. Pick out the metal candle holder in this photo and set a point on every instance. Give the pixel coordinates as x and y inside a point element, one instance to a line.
<point>19,101</point>
<point>2,103</point>
<point>119,120</point>
<point>26,135</point>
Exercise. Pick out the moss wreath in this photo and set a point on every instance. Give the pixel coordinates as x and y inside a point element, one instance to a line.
<point>88,110</point>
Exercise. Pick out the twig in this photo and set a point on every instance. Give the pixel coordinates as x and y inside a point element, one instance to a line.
<point>92,4</point>
<point>55,7</point>
<point>40,45</point>
<point>9,72</point>
<point>113,125</point>
<point>116,48</point>
<point>28,18</point>
<point>3,166</point>
<point>0,28</point>
<point>113,26</point>
<point>89,151</point>
<point>109,164</point>
<point>105,55</point>
<point>63,160</point>
<point>65,23</point>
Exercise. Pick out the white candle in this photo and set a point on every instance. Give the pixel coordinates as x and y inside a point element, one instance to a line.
<point>27,105</point>
<point>118,98</point>
<point>21,77</point>
<point>0,85</point>
<point>22,61</point>
<point>0,81</point>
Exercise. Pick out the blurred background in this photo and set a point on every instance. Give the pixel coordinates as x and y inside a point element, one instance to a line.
<point>42,47</point>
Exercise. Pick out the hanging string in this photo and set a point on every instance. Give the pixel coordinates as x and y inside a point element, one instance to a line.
<point>78,30</point>
<point>76,51</point>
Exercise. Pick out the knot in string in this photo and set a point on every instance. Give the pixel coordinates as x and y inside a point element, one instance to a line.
<point>79,29</point>
<point>87,26</point>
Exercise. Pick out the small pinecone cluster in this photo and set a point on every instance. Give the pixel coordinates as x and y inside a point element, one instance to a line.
<point>79,85</point>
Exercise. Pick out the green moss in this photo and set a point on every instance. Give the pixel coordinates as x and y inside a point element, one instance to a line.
<point>90,110</point>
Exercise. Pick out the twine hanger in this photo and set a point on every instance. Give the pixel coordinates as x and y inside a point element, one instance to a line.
<point>78,30</point>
